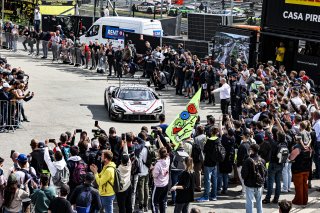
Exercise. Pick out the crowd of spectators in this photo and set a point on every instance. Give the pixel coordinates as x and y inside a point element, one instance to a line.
<point>269,131</point>
<point>14,92</point>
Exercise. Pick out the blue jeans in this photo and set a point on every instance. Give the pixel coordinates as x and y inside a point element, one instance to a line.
<point>251,194</point>
<point>210,177</point>
<point>223,181</point>
<point>286,176</point>
<point>174,180</point>
<point>107,203</point>
<point>274,175</point>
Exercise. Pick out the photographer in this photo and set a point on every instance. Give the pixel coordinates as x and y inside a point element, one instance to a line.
<point>179,75</point>
<point>58,168</point>
<point>160,80</point>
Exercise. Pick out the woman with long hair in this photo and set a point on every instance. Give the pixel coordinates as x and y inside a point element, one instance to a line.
<point>185,188</point>
<point>13,196</point>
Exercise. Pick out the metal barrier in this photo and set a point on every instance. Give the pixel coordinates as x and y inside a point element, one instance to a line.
<point>10,115</point>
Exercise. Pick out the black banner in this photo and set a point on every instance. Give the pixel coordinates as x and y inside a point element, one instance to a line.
<point>292,15</point>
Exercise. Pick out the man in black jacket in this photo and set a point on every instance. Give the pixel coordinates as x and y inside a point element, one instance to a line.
<point>79,196</point>
<point>210,166</point>
<point>45,41</point>
<point>242,155</point>
<point>275,169</point>
<point>37,157</point>
<point>211,81</point>
<point>252,168</point>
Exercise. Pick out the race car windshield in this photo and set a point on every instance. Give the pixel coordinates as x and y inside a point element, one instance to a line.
<point>136,95</point>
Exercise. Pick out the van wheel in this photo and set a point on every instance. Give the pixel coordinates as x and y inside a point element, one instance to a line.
<point>149,10</point>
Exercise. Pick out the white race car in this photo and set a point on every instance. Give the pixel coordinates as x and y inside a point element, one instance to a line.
<point>133,103</point>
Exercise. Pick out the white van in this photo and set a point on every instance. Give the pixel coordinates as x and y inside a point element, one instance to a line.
<point>111,29</point>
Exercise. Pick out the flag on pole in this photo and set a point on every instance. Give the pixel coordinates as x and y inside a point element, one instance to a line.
<point>182,126</point>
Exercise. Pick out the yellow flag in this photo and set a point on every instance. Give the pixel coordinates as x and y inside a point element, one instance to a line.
<point>182,126</point>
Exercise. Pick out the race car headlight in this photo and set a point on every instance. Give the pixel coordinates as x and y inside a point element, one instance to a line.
<point>158,109</point>
<point>118,109</point>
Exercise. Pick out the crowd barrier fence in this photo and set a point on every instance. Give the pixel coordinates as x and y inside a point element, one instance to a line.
<point>10,115</point>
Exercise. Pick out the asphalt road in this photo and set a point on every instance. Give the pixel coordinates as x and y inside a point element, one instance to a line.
<point>68,98</point>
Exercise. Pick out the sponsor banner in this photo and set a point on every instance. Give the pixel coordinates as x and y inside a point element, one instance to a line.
<point>115,32</point>
<point>157,33</point>
<point>292,15</point>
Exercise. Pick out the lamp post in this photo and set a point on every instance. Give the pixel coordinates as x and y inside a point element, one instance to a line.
<point>2,12</point>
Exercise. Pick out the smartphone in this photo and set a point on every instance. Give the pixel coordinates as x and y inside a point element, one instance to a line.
<point>11,153</point>
<point>123,136</point>
<point>78,130</point>
<point>52,140</point>
<point>96,123</point>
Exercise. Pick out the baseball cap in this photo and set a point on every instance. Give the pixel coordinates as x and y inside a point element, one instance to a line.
<point>40,145</point>
<point>5,85</point>
<point>305,78</point>
<point>22,158</point>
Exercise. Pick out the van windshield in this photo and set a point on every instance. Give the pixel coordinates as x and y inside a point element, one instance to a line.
<point>93,31</point>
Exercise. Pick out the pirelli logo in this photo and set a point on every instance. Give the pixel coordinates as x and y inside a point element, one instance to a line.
<point>315,3</point>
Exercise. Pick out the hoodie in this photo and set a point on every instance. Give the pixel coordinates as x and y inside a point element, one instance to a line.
<point>53,166</point>
<point>161,172</point>
<point>125,171</point>
<point>105,178</point>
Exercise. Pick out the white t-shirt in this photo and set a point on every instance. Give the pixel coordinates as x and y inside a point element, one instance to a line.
<point>297,101</point>
<point>106,12</point>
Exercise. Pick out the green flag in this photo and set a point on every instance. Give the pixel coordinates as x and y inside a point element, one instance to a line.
<point>182,126</point>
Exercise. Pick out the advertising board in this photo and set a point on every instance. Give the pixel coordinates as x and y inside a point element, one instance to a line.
<point>292,15</point>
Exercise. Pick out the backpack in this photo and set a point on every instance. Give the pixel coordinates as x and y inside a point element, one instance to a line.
<point>66,152</point>
<point>219,153</point>
<point>29,175</point>
<point>118,182</point>
<point>196,153</point>
<point>259,171</point>
<point>283,153</point>
<point>79,172</point>
<point>151,157</point>
<point>84,199</point>
<point>178,160</point>
<point>61,177</point>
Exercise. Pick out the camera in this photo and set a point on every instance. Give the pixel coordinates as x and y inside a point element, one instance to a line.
<point>52,140</point>
<point>78,130</point>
